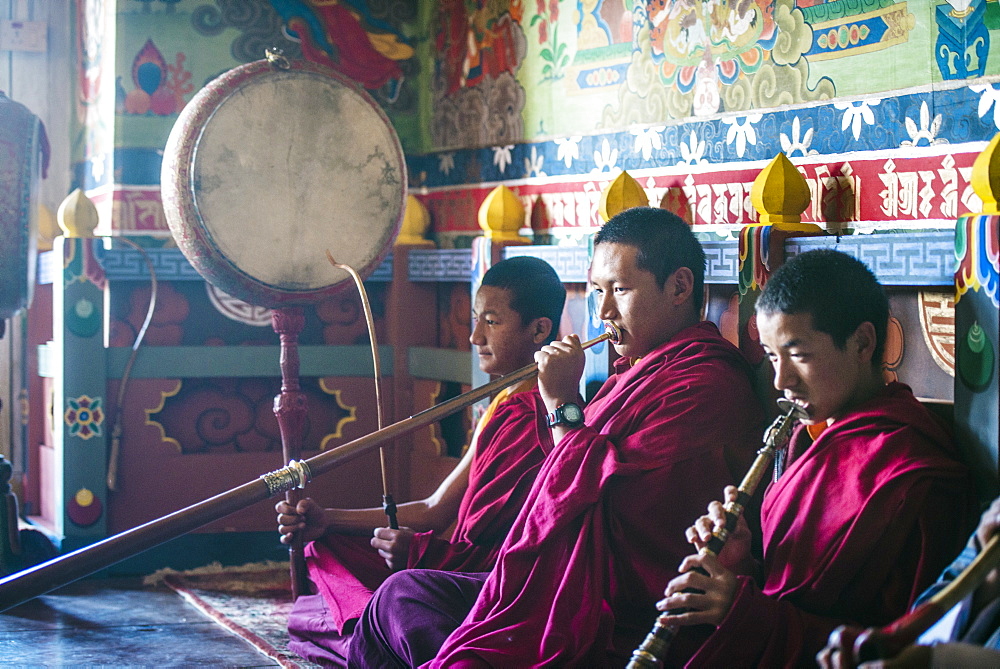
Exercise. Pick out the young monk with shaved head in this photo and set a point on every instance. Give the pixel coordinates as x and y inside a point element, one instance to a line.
<point>516,311</point>
<point>869,503</point>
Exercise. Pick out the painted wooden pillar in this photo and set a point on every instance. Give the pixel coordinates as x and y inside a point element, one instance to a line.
<point>411,320</point>
<point>780,194</point>
<point>80,383</point>
<point>977,321</point>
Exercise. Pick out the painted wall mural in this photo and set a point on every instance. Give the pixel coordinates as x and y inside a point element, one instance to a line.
<point>157,87</point>
<point>882,104</point>
<point>476,98</point>
<point>352,37</point>
<point>92,129</point>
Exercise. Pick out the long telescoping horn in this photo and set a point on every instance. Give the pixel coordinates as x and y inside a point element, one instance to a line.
<point>22,586</point>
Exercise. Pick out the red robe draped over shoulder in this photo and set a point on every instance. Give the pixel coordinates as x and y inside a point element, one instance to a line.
<point>510,448</point>
<point>862,520</point>
<point>603,529</point>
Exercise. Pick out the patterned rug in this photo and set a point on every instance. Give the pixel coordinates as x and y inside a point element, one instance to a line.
<point>252,601</point>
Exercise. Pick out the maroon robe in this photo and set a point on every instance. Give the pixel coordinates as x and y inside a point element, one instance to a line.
<point>509,452</point>
<point>603,529</point>
<point>861,521</point>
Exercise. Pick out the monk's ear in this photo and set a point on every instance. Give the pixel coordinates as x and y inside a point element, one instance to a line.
<point>683,285</point>
<point>864,338</point>
<point>540,328</point>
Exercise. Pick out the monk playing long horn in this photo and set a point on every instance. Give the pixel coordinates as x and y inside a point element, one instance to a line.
<point>603,527</point>
<point>870,503</point>
<point>517,310</point>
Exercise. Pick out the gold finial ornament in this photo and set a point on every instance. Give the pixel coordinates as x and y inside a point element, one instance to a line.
<point>780,194</point>
<point>501,215</point>
<point>986,177</point>
<point>48,229</point>
<point>77,215</point>
<point>416,222</point>
<point>622,193</point>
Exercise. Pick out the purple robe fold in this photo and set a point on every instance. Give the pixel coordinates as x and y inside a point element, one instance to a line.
<point>510,448</point>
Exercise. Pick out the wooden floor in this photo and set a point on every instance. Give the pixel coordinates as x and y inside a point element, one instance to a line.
<point>116,623</point>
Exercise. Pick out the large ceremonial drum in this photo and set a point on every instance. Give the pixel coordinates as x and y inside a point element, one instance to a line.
<point>20,174</point>
<point>270,165</point>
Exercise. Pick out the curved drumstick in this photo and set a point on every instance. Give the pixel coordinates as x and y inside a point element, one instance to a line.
<point>388,503</point>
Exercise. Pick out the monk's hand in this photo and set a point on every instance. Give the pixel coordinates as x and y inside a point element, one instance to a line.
<point>560,367</point>
<point>989,523</point>
<point>393,545</point>
<point>839,651</point>
<point>712,522</point>
<point>699,597</point>
<point>307,516</point>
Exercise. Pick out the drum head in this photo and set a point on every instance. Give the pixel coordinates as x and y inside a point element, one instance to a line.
<point>267,168</point>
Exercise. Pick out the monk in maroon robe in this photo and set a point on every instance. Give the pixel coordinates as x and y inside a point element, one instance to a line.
<point>871,502</point>
<point>517,310</point>
<point>602,530</point>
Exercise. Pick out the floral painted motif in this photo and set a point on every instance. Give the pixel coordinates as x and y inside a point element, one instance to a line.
<point>533,164</point>
<point>928,130</point>
<point>855,114</point>
<point>446,162</point>
<point>794,143</point>
<point>569,149</point>
<point>988,97</point>
<point>648,140</point>
<point>693,151</point>
<point>741,132</point>
<point>159,88</point>
<point>84,416</point>
<point>606,158</point>
<point>501,156</point>
<point>553,51</point>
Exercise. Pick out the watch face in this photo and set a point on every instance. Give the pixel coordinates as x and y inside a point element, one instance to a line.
<point>572,414</point>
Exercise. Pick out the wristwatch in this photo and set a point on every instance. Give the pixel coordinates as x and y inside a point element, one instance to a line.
<point>568,415</point>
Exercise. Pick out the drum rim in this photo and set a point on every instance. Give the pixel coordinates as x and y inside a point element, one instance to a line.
<point>185,220</point>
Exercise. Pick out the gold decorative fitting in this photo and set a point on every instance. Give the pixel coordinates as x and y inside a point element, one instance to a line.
<point>622,193</point>
<point>986,177</point>
<point>77,215</point>
<point>416,221</point>
<point>276,57</point>
<point>295,475</point>
<point>501,215</point>
<point>780,194</point>
<point>304,475</point>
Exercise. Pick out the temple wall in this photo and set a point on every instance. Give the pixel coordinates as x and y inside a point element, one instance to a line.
<point>881,105</point>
